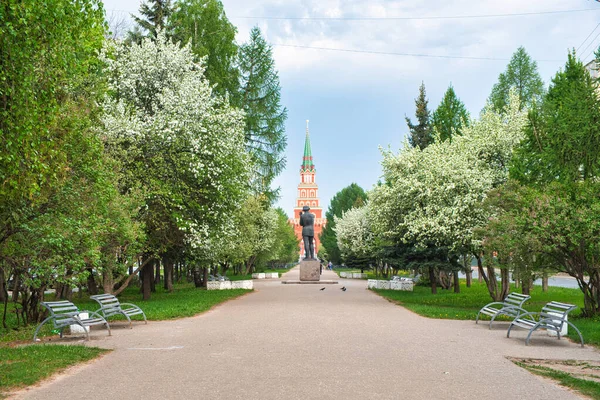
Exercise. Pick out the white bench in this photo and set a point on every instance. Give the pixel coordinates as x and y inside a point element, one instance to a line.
<point>110,305</point>
<point>512,306</point>
<point>64,313</point>
<point>552,318</point>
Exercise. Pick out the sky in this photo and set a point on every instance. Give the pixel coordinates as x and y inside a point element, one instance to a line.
<point>357,102</point>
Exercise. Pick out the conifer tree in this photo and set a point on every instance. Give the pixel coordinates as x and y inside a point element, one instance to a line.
<point>420,135</point>
<point>522,74</point>
<point>450,117</point>
<point>563,137</point>
<point>155,15</point>
<point>265,117</point>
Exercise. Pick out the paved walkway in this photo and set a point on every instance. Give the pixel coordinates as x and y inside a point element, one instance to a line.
<point>298,342</point>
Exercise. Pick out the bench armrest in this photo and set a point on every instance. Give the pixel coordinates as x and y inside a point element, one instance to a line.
<point>131,305</point>
<point>495,303</point>
<point>91,313</point>
<point>527,314</point>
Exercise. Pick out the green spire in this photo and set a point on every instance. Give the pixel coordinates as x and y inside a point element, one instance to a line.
<point>307,163</point>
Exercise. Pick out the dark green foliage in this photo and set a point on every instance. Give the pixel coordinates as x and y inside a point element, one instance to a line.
<point>420,135</point>
<point>203,23</point>
<point>347,198</point>
<point>450,117</point>
<point>562,138</point>
<point>521,74</point>
<point>155,17</point>
<point>265,117</point>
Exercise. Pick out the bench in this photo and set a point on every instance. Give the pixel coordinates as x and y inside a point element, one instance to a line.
<point>110,305</point>
<point>552,317</point>
<point>64,313</point>
<point>512,306</point>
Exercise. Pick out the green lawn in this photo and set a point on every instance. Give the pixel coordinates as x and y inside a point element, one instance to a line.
<point>26,365</point>
<point>465,305</point>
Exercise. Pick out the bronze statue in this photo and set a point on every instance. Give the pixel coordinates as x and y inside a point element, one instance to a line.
<point>307,221</point>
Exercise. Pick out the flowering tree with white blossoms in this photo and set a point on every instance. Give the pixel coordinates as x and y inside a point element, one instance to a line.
<point>176,141</point>
<point>433,197</point>
<point>355,236</point>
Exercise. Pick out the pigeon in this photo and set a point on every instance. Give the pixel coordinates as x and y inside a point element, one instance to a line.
<point>344,288</point>
<point>322,288</point>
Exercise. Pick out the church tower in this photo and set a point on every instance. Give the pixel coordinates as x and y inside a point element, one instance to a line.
<point>308,195</point>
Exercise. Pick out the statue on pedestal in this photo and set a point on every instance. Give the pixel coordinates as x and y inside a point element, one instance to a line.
<point>307,221</point>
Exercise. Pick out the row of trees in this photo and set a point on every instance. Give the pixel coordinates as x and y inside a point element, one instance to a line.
<point>126,157</point>
<point>516,189</point>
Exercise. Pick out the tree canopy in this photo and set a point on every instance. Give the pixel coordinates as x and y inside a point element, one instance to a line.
<point>522,75</point>
<point>450,117</point>
<point>347,198</point>
<point>420,135</point>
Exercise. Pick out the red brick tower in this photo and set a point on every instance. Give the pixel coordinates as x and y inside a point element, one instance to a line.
<point>308,196</point>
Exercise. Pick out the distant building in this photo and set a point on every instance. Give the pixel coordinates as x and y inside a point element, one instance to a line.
<point>592,67</point>
<point>308,195</point>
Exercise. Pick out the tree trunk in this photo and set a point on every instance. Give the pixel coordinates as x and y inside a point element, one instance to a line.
<point>91,283</point>
<point>544,281</point>
<point>108,282</point>
<point>168,270</point>
<point>433,280</point>
<point>16,285</point>
<point>469,274</point>
<point>3,291</point>
<point>456,282</point>
<point>157,275</point>
<point>147,280</point>
<point>505,276</point>
<point>490,278</point>
<point>197,277</point>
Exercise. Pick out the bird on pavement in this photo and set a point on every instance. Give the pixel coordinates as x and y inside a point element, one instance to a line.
<point>322,288</point>
<point>344,288</point>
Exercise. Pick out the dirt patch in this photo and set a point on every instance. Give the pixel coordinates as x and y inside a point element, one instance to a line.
<point>588,370</point>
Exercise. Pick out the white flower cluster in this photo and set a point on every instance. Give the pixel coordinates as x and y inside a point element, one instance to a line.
<point>354,233</point>
<point>434,195</point>
<point>185,144</point>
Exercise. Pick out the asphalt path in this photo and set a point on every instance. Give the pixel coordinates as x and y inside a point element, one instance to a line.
<point>301,342</point>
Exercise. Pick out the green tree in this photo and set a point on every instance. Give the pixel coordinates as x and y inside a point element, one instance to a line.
<point>562,138</point>
<point>41,82</point>
<point>450,117</point>
<point>265,117</point>
<point>154,18</point>
<point>421,134</point>
<point>204,24</point>
<point>48,88</point>
<point>181,145</point>
<point>521,74</point>
<point>350,197</point>
<point>287,246</point>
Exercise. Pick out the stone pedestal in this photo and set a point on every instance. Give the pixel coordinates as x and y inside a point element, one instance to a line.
<point>310,270</point>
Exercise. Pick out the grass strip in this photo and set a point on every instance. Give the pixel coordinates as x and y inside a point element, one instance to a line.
<point>583,386</point>
<point>26,365</point>
<point>464,305</point>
